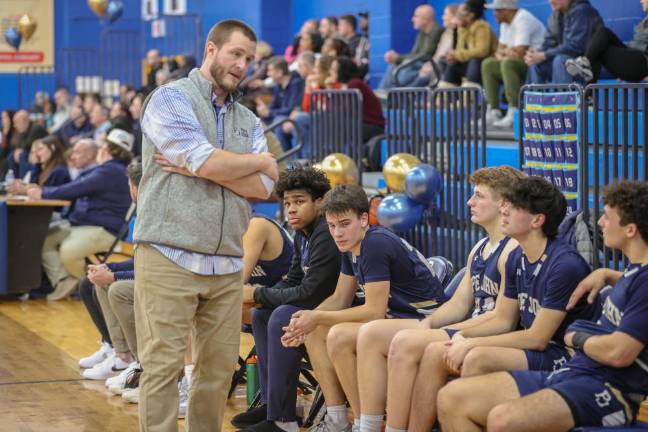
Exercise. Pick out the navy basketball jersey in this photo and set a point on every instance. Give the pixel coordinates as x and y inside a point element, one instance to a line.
<point>548,283</point>
<point>384,256</point>
<point>268,273</point>
<point>625,310</point>
<point>485,277</point>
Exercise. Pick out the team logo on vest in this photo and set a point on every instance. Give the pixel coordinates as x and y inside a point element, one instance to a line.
<point>241,132</point>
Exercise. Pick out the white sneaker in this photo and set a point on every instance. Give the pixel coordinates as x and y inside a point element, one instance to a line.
<point>580,67</point>
<point>508,120</point>
<point>492,115</point>
<point>131,395</point>
<point>94,359</point>
<point>110,367</point>
<point>116,384</point>
<point>183,390</point>
<point>64,289</point>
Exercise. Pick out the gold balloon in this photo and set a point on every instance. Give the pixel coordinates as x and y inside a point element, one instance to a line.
<point>27,26</point>
<point>396,168</point>
<point>98,7</point>
<point>340,169</point>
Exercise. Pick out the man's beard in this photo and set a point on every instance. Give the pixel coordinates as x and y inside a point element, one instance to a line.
<point>218,74</point>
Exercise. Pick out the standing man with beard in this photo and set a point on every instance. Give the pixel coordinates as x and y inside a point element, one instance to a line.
<point>203,154</point>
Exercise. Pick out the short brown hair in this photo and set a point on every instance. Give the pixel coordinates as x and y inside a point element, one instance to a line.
<point>221,31</point>
<point>499,179</point>
<point>279,63</point>
<point>630,199</point>
<point>344,198</point>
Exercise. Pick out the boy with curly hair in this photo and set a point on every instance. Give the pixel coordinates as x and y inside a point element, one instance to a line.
<point>311,279</point>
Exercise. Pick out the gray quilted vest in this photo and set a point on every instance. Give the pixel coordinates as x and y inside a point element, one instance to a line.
<point>191,213</point>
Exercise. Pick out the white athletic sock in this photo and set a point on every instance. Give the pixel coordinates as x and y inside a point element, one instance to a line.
<point>338,414</point>
<point>370,423</point>
<point>288,426</point>
<point>391,429</point>
<point>188,369</point>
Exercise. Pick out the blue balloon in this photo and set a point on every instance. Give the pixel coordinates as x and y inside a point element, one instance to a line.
<point>399,213</point>
<point>423,183</point>
<point>13,37</point>
<point>114,11</point>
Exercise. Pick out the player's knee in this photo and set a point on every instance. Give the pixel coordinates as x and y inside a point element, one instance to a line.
<point>478,361</point>
<point>499,418</point>
<point>339,341</point>
<point>449,399</point>
<point>399,348</point>
<point>68,252</point>
<point>368,334</point>
<point>433,354</point>
<point>280,318</point>
<point>316,339</point>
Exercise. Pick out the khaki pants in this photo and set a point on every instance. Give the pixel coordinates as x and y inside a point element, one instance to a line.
<point>121,299</point>
<point>169,302</point>
<point>116,331</point>
<point>65,249</point>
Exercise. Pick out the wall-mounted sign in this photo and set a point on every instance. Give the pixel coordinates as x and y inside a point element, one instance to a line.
<point>150,9</point>
<point>26,34</point>
<point>175,7</point>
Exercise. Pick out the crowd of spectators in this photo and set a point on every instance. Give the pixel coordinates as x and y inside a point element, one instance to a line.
<point>462,50</point>
<point>574,46</point>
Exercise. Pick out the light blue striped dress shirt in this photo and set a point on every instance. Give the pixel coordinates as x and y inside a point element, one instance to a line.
<point>171,125</point>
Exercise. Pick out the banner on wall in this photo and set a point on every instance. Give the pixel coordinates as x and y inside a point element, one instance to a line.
<point>26,34</point>
<point>550,141</point>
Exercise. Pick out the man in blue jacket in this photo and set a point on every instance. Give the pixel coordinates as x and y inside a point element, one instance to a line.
<point>101,199</point>
<point>287,95</point>
<point>569,28</point>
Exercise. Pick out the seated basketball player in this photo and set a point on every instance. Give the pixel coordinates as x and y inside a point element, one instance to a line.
<point>526,331</point>
<point>309,281</point>
<point>604,383</point>
<point>394,280</point>
<point>379,379</point>
<point>267,252</point>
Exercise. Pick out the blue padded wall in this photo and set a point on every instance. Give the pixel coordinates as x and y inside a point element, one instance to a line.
<point>277,20</point>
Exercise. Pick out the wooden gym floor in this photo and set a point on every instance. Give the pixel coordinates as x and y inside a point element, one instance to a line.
<point>40,384</point>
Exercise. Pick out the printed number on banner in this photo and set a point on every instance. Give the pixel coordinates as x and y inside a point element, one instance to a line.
<point>568,124</point>
<point>569,152</point>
